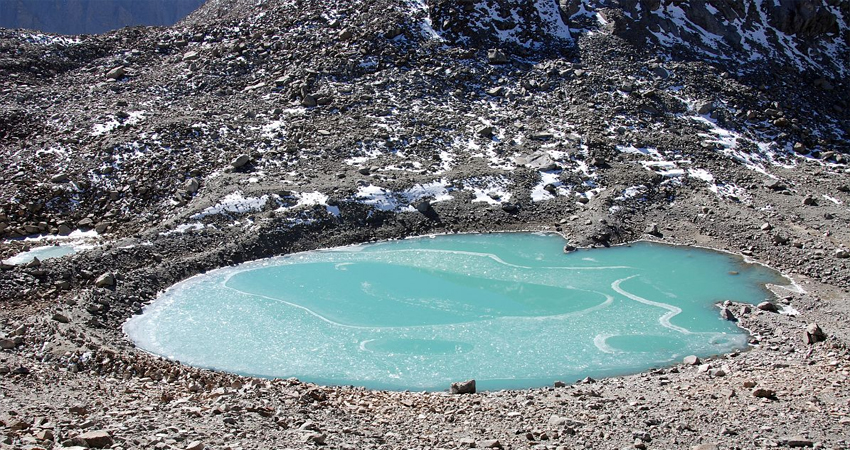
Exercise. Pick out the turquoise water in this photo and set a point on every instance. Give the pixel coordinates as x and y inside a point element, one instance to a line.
<point>510,310</point>
<point>42,253</point>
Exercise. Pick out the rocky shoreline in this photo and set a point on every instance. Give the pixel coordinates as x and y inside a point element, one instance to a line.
<point>245,133</point>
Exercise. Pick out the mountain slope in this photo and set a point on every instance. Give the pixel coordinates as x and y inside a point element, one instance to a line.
<point>264,127</point>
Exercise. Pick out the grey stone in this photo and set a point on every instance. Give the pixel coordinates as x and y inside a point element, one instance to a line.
<point>105,280</point>
<point>767,306</point>
<point>490,443</point>
<point>798,442</point>
<point>813,334</point>
<point>537,161</point>
<point>705,108</point>
<point>191,56</point>
<point>7,344</point>
<point>463,387</point>
<point>195,445</point>
<point>191,185</point>
<point>116,73</point>
<point>763,393</point>
<point>60,178</point>
<point>240,161</point>
<point>86,222</point>
<point>309,101</point>
<point>652,229</point>
<point>726,314</point>
<point>60,318</point>
<point>691,360</point>
<point>315,438</point>
<point>497,56</point>
<point>842,253</point>
<point>486,132</point>
<point>423,206</point>
<point>95,439</point>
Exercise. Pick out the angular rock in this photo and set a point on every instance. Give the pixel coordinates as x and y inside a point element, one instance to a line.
<point>767,306</point>
<point>798,442</point>
<point>60,318</point>
<point>763,393</point>
<point>463,387</point>
<point>105,280</point>
<point>191,185</point>
<point>487,132</point>
<point>813,334</point>
<point>497,56</point>
<point>652,230</point>
<point>60,178</point>
<point>7,344</point>
<point>95,439</point>
<point>240,161</point>
<point>116,73</point>
<point>510,208</point>
<point>726,314</point>
<point>691,360</point>
<point>191,56</point>
<point>490,443</point>
<point>315,438</point>
<point>195,445</point>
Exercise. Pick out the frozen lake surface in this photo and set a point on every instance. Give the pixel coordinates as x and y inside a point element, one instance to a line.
<point>42,253</point>
<point>510,310</point>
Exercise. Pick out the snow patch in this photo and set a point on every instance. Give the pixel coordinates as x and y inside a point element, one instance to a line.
<point>234,203</point>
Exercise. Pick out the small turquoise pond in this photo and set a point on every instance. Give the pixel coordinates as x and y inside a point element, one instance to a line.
<point>510,310</point>
<point>42,253</point>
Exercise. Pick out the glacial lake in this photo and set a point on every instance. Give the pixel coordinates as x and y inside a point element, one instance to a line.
<point>42,253</point>
<point>510,310</point>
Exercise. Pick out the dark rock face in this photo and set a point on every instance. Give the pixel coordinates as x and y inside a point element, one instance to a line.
<point>91,16</point>
<point>490,23</point>
<point>804,34</point>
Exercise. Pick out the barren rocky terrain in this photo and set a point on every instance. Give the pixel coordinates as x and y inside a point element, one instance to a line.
<point>259,128</point>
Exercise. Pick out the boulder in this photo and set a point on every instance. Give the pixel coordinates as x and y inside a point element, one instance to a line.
<point>691,360</point>
<point>463,387</point>
<point>105,280</point>
<point>191,185</point>
<point>240,161</point>
<point>813,334</point>
<point>767,306</point>
<point>116,73</point>
<point>763,393</point>
<point>497,56</point>
<point>95,439</point>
